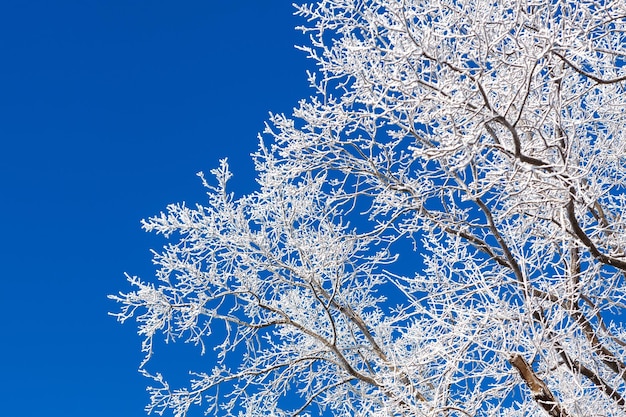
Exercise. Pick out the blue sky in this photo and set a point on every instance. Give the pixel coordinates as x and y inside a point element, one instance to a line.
<point>108,108</point>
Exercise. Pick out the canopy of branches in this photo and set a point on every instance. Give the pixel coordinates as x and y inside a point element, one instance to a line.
<point>489,138</point>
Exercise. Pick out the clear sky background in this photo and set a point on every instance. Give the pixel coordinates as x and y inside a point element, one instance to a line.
<point>108,108</point>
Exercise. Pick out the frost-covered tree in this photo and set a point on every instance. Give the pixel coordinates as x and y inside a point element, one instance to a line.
<point>437,231</point>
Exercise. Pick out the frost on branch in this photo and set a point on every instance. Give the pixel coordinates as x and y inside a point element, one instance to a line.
<point>291,286</point>
<point>488,135</point>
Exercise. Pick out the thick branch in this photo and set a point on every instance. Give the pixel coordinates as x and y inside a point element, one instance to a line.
<point>539,390</point>
<point>577,367</point>
<point>580,233</point>
<point>588,75</point>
